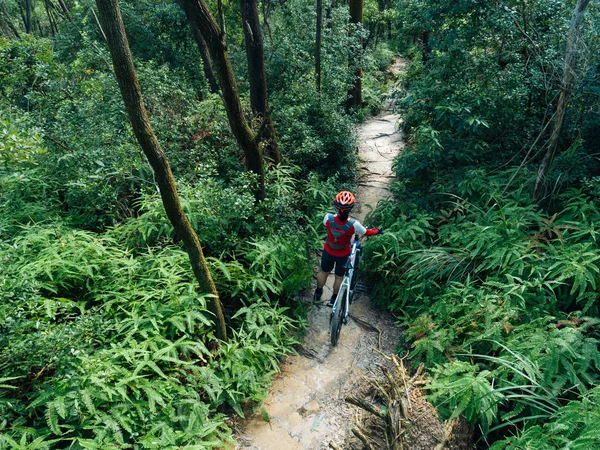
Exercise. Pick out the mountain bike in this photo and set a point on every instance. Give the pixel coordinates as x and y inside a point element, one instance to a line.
<point>341,306</point>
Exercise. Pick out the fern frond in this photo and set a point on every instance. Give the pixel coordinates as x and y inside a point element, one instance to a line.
<point>52,419</point>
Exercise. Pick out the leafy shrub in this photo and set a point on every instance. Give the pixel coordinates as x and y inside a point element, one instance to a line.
<point>103,347</point>
<point>574,426</point>
<point>502,290</point>
<point>25,196</point>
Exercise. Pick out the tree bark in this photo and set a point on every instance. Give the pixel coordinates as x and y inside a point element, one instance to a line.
<point>355,92</point>
<point>206,63</point>
<point>28,16</point>
<point>199,13</point>
<point>259,99</point>
<point>110,16</point>
<point>318,44</point>
<point>568,80</point>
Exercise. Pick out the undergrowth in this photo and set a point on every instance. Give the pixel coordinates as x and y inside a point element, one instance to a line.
<point>105,340</point>
<point>499,299</point>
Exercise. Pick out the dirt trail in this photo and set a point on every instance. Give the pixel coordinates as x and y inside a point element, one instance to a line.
<point>306,408</point>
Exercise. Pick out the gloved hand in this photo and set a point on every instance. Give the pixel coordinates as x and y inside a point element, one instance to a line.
<point>380,231</point>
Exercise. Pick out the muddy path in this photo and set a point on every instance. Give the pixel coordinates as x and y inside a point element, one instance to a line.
<point>305,408</point>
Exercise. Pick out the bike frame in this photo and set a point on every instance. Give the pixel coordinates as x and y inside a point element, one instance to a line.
<point>347,281</point>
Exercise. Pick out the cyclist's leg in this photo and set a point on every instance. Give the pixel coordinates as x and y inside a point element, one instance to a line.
<point>337,283</point>
<point>340,263</point>
<point>322,278</point>
<point>327,263</point>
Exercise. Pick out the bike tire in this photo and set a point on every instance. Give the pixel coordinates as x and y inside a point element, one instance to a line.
<point>337,320</point>
<point>355,275</point>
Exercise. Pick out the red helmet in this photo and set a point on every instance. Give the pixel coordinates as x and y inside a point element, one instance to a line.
<point>344,201</point>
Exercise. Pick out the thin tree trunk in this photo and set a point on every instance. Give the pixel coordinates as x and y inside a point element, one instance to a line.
<point>99,24</point>
<point>259,99</point>
<point>63,6</point>
<point>318,44</point>
<point>8,22</point>
<point>39,27</point>
<point>22,14</point>
<point>426,46</point>
<point>221,13</point>
<point>53,27</point>
<point>568,80</point>
<point>266,8</point>
<point>57,11</point>
<point>199,13</point>
<point>206,63</point>
<point>110,16</point>
<point>28,16</point>
<point>355,92</point>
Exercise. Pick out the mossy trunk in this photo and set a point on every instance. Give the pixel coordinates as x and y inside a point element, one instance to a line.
<point>199,13</point>
<point>110,17</point>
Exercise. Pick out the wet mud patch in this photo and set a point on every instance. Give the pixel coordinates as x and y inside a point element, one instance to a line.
<point>306,407</point>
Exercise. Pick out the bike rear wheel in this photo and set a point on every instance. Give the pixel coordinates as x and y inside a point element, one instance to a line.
<point>337,319</point>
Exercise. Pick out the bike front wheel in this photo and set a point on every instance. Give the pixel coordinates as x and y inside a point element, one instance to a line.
<point>337,319</point>
<point>355,274</point>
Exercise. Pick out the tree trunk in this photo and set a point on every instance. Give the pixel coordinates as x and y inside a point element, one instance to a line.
<point>6,18</point>
<point>221,13</point>
<point>318,44</point>
<point>199,13</point>
<point>206,63</point>
<point>426,46</point>
<point>266,9</point>
<point>259,100</point>
<point>110,16</point>
<point>53,27</point>
<point>63,6</point>
<point>28,16</point>
<point>568,80</point>
<point>355,92</point>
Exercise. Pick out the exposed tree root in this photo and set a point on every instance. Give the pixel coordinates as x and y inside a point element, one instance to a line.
<point>394,415</point>
<point>369,327</point>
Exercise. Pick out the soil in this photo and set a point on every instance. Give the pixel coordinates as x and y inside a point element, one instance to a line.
<point>306,407</point>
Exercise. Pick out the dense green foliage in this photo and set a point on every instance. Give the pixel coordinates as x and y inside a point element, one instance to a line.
<point>498,294</point>
<point>105,340</point>
<point>104,337</point>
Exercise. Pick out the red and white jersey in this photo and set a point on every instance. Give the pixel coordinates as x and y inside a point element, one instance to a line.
<point>340,234</point>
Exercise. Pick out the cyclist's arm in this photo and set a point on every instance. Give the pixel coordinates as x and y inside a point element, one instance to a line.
<point>361,230</point>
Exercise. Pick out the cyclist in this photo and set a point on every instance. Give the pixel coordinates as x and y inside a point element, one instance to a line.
<point>340,229</point>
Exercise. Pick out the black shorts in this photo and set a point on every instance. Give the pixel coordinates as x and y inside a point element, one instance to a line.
<point>328,261</point>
